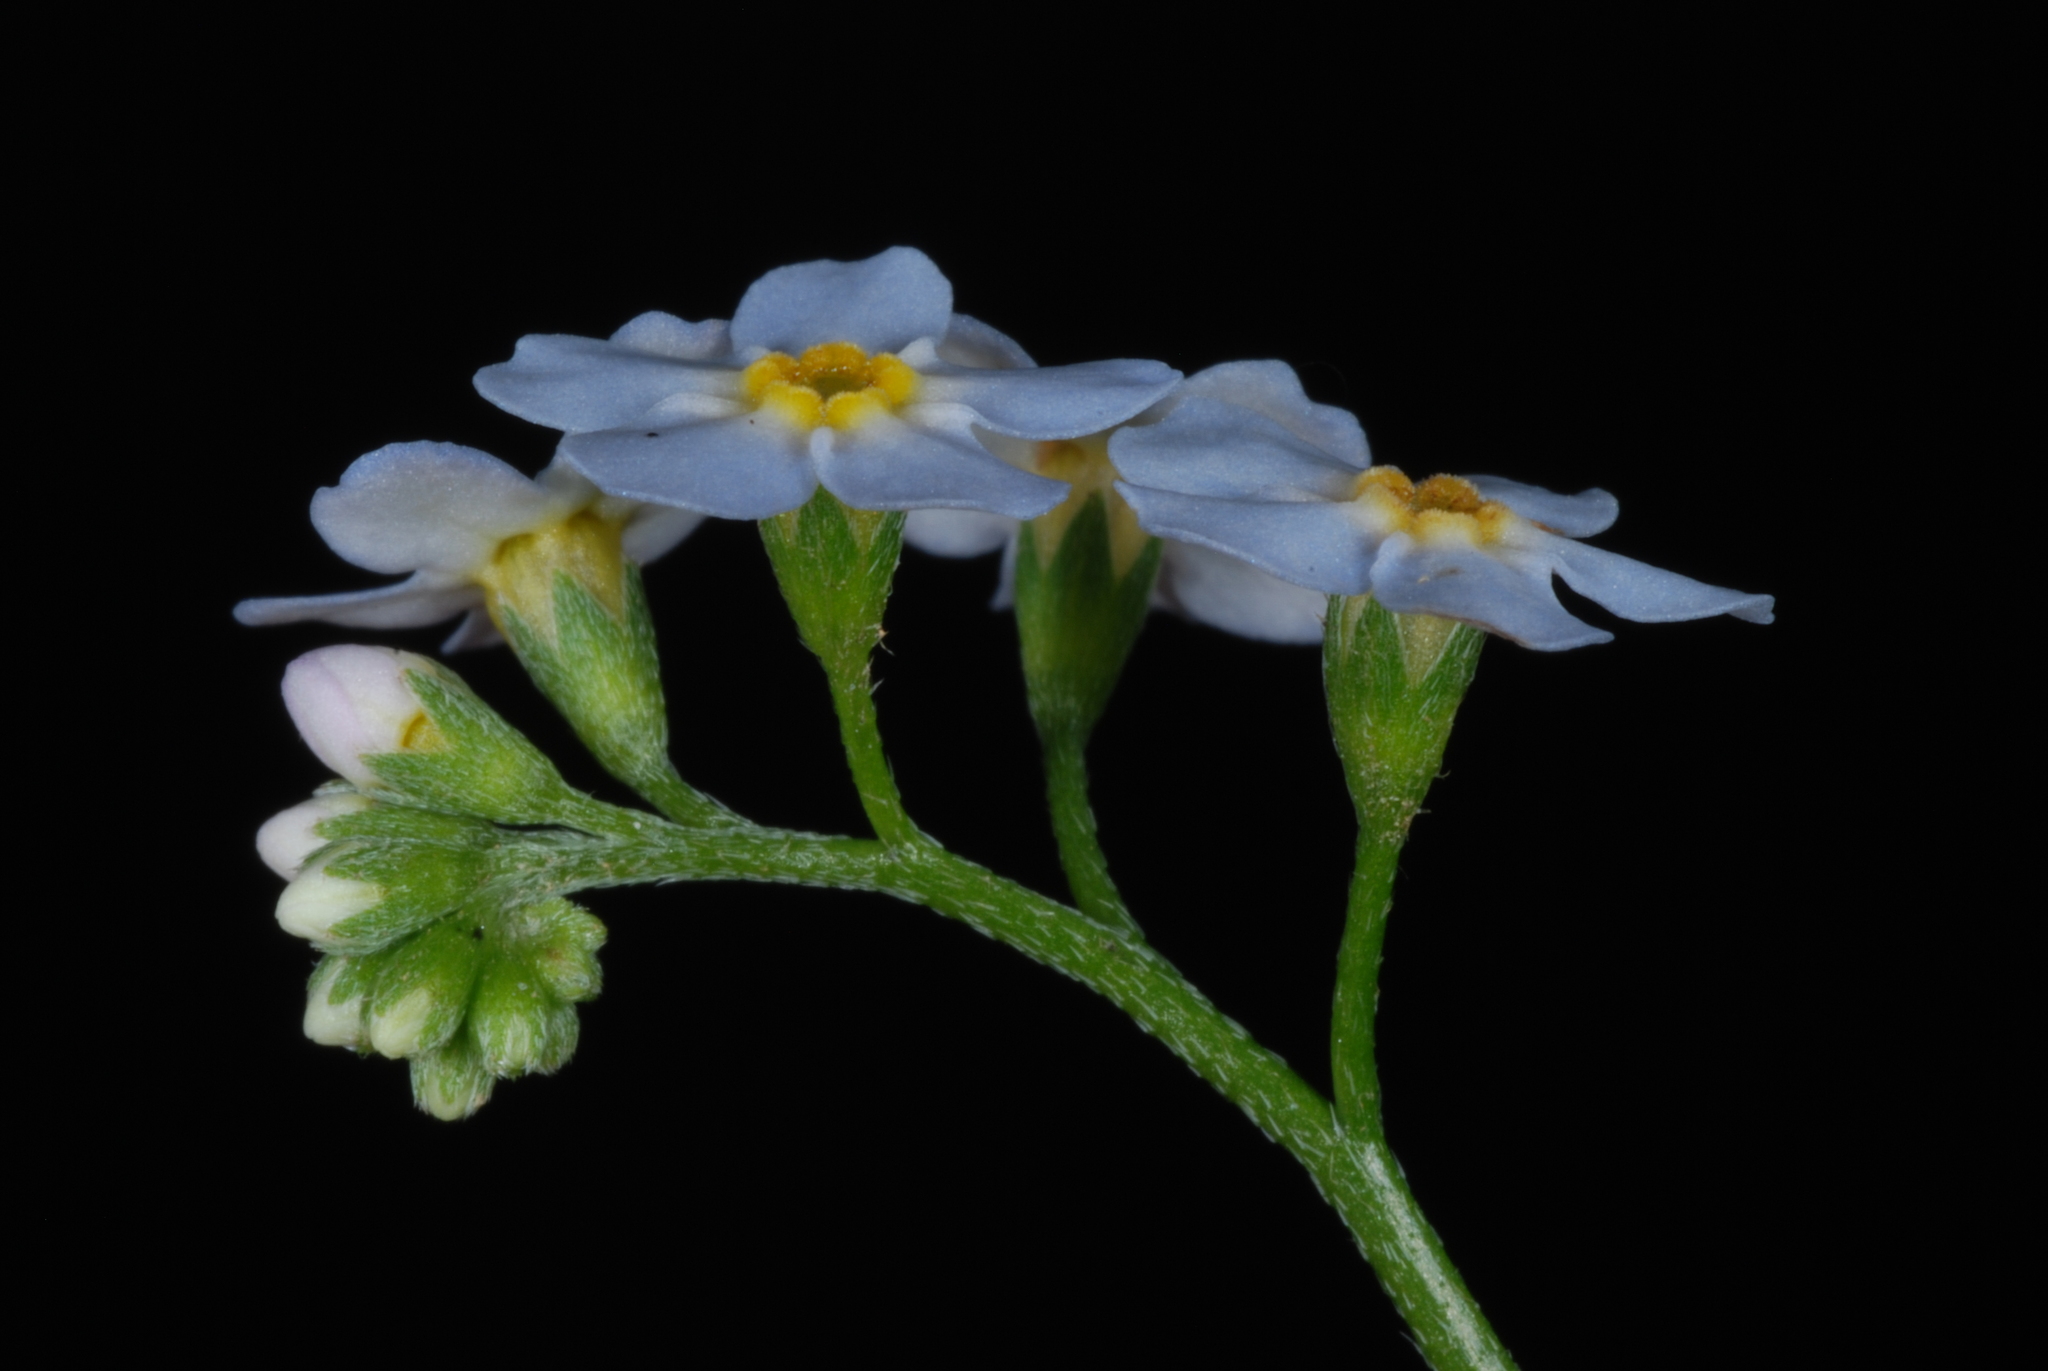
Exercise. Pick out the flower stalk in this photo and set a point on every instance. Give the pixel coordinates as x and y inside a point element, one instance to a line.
<point>1081,602</point>
<point>835,566</point>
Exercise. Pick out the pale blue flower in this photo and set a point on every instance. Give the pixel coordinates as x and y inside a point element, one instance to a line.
<point>1195,581</point>
<point>854,375</point>
<point>1290,488</point>
<point>442,512</point>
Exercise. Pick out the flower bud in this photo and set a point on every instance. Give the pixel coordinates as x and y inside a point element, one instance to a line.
<point>315,902</point>
<point>368,894</point>
<point>329,1023</point>
<point>352,702</point>
<point>286,840</point>
<point>453,1082</point>
<point>423,990</point>
<point>563,941</point>
<point>518,1024</point>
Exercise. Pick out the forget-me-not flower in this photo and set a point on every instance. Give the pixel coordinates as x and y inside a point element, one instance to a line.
<point>854,375</point>
<point>1293,493</point>
<point>1199,582</point>
<point>448,514</point>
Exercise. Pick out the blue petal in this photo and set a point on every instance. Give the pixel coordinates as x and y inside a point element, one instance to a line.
<point>882,304</point>
<point>971,343</point>
<point>438,506</point>
<point>1575,516</point>
<point>655,529</point>
<point>664,335</point>
<point>1273,390</point>
<point>888,464</point>
<point>1048,403</point>
<point>580,385</point>
<point>1501,590</point>
<point>1223,592</point>
<point>426,598</point>
<point>1208,447</point>
<point>1647,594</point>
<point>957,532</point>
<point>1312,543</point>
<point>476,630</point>
<point>746,467</point>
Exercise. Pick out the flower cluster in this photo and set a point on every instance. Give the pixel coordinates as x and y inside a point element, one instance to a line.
<point>858,376</point>
<point>1245,504</point>
<point>422,960</point>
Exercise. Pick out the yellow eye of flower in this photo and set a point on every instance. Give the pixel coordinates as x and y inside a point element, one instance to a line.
<point>833,383</point>
<point>1442,505</point>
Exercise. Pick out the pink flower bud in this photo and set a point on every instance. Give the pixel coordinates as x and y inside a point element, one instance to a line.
<point>352,702</point>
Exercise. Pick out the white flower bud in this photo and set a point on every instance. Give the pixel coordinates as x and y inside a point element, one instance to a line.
<point>400,1031</point>
<point>315,902</point>
<point>352,702</point>
<point>332,1025</point>
<point>286,840</point>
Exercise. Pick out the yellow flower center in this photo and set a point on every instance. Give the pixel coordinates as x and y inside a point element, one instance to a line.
<point>521,577</point>
<point>1084,463</point>
<point>1442,506</point>
<point>834,384</point>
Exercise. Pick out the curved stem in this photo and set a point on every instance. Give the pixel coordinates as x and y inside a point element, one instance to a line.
<point>1073,824</point>
<point>1350,1163</point>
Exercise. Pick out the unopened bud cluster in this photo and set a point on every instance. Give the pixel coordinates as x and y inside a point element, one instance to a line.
<point>429,956</point>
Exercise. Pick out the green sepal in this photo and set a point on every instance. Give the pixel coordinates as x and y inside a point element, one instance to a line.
<point>559,941</point>
<point>355,975</point>
<point>420,883</point>
<point>407,823</point>
<point>337,984</point>
<point>835,566</point>
<point>423,988</point>
<point>453,1082</point>
<point>601,672</point>
<point>517,1022</point>
<point>1077,619</point>
<point>1394,682</point>
<point>483,766</point>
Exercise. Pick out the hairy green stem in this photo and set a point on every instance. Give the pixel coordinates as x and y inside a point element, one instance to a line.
<point>1351,1165</point>
<point>1073,824</point>
<point>853,698</point>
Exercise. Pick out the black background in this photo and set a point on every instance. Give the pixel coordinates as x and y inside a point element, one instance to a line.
<point>1629,1021</point>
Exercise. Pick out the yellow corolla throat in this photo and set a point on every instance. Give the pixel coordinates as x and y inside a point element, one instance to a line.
<point>521,574</point>
<point>1084,464</point>
<point>1441,507</point>
<point>833,384</point>
<point>422,734</point>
